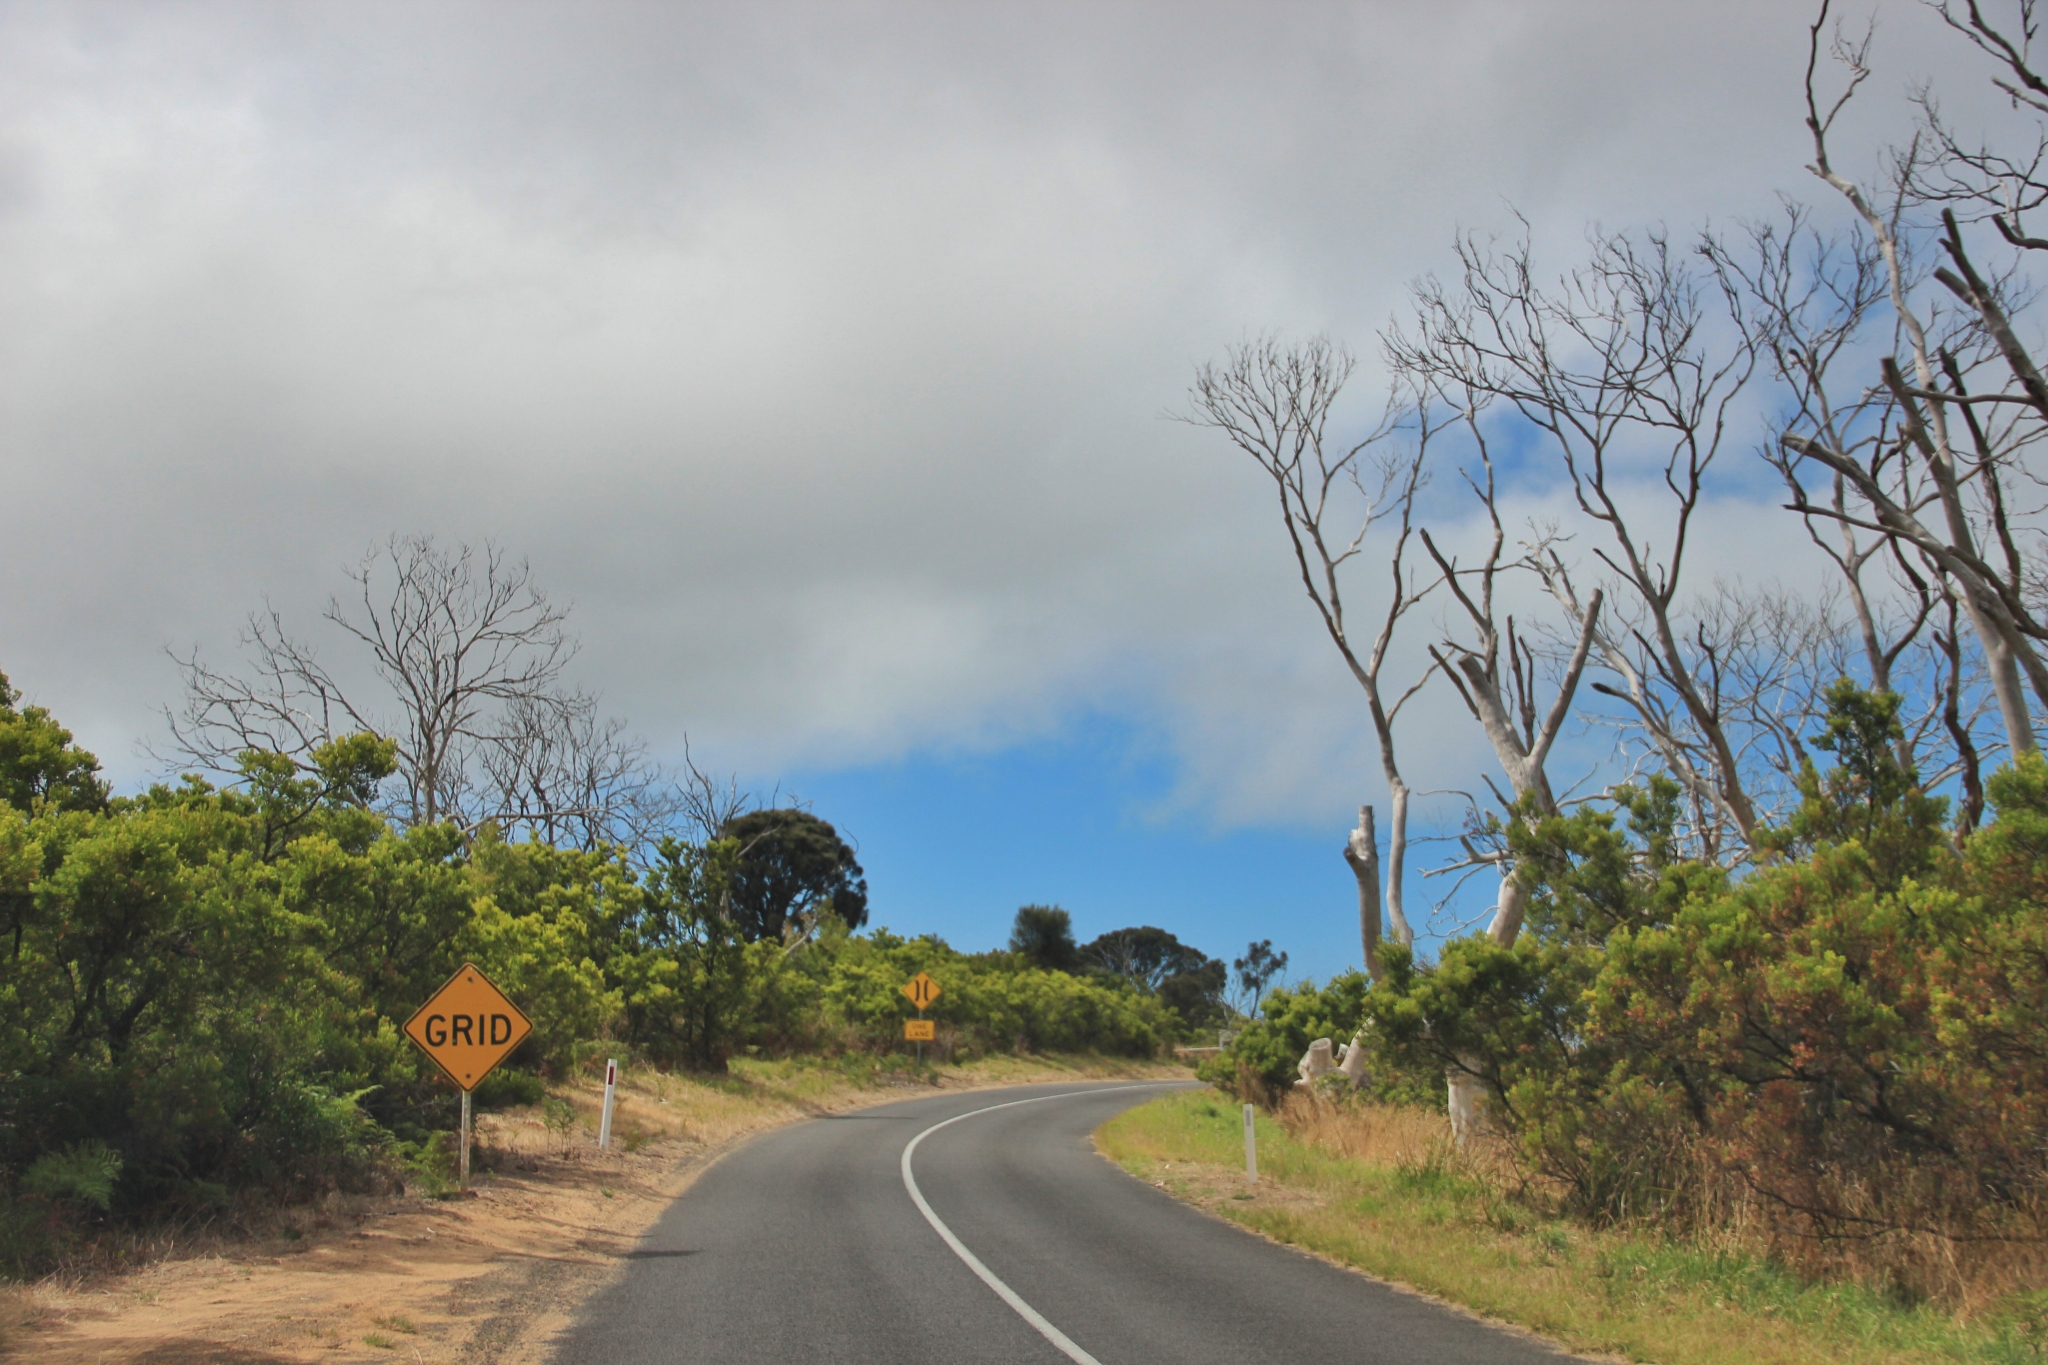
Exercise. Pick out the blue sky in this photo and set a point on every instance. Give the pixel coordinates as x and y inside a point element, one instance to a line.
<point>953,846</point>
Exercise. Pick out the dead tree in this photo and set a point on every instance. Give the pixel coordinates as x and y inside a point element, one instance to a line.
<point>1970,399</point>
<point>468,654</point>
<point>1813,301</point>
<point>1505,703</point>
<point>564,773</point>
<point>1617,365</point>
<point>1810,300</point>
<point>1274,402</point>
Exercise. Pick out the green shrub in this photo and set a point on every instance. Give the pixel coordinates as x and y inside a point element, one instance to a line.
<point>507,1088</point>
<point>204,990</point>
<point>1269,1047</point>
<point>82,1174</point>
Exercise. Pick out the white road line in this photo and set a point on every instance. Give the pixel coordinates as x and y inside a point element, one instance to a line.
<point>988,1277</point>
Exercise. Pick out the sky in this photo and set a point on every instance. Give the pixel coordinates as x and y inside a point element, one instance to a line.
<point>822,357</point>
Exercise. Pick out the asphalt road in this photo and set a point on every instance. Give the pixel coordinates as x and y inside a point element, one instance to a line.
<point>808,1245</point>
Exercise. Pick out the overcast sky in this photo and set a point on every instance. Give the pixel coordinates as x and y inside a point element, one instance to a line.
<point>817,354</point>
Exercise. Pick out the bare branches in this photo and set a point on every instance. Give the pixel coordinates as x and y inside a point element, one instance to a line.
<point>1907,417</point>
<point>291,706</point>
<point>470,656</point>
<point>708,804</point>
<point>1920,490</point>
<point>456,636</point>
<point>1617,366</point>
<point>1275,404</point>
<point>572,778</point>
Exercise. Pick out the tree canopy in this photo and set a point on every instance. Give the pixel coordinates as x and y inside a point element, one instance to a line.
<point>38,761</point>
<point>1043,935</point>
<point>1143,956</point>
<point>792,867</point>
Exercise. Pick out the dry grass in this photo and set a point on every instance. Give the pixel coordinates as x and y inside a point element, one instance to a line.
<point>1978,1260</point>
<point>1383,1191</point>
<point>1395,1137</point>
<point>1970,1276</point>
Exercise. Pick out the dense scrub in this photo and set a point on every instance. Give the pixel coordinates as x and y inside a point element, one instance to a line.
<point>202,988</point>
<point>1848,1045</point>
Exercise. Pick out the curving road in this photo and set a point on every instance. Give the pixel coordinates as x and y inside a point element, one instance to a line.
<point>999,1236</point>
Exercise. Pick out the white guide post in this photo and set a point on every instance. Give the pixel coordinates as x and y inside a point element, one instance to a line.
<point>611,1087</point>
<point>465,1139</point>
<point>1251,1148</point>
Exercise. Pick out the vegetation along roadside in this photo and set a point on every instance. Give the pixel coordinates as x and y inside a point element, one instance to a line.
<point>1383,1190</point>
<point>356,1278</point>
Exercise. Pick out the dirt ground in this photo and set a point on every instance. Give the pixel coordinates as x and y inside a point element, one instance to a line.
<point>492,1278</point>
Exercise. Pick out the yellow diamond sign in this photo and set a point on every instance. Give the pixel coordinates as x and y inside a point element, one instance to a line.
<point>468,1027</point>
<point>922,990</point>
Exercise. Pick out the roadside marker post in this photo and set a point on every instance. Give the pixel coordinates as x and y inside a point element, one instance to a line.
<point>467,1028</point>
<point>1251,1148</point>
<point>611,1087</point>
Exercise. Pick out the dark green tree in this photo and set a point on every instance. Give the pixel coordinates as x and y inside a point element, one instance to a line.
<point>1869,797</point>
<point>1143,956</point>
<point>1259,965</point>
<point>792,868</point>
<point>1197,996</point>
<point>1043,935</point>
<point>688,989</point>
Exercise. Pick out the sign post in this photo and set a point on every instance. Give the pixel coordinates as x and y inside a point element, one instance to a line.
<point>604,1123</point>
<point>467,1028</point>
<point>922,990</point>
<point>1251,1148</point>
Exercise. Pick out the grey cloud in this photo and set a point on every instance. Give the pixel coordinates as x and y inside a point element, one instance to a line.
<point>816,352</point>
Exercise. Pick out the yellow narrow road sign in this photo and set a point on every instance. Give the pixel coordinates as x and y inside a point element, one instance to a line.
<point>922,990</point>
<point>920,1031</point>
<point>468,1027</point>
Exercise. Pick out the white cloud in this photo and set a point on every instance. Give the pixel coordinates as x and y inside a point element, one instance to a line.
<point>816,353</point>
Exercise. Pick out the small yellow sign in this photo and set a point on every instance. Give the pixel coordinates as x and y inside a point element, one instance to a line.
<point>920,1031</point>
<point>922,990</point>
<point>468,1027</point>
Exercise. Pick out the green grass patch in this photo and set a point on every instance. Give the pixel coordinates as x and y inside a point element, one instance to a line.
<point>1424,1222</point>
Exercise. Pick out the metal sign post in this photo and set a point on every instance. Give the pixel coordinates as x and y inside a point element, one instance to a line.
<point>1251,1148</point>
<point>922,990</point>
<point>465,1139</point>
<point>611,1084</point>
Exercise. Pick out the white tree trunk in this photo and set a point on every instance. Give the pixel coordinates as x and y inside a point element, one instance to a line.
<point>1397,858</point>
<point>1465,1099</point>
<point>1466,1095</point>
<point>2001,662</point>
<point>1507,912</point>
<point>1362,851</point>
<point>1352,1060</point>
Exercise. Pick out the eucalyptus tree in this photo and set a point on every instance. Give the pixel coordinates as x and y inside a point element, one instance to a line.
<point>1275,403</point>
<point>456,655</point>
<point>1942,465</point>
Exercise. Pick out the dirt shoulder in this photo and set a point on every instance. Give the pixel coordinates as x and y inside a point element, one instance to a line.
<point>493,1278</point>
